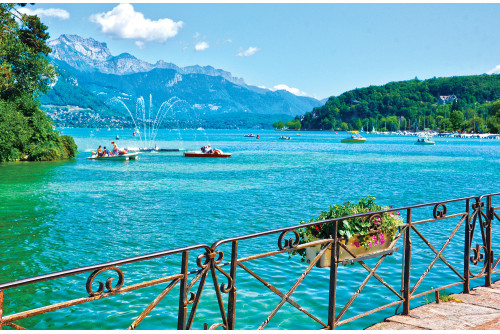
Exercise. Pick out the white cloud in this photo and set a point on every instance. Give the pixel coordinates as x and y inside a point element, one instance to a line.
<point>201,46</point>
<point>140,44</point>
<point>495,70</point>
<point>124,22</point>
<point>292,90</point>
<point>49,12</point>
<point>248,52</point>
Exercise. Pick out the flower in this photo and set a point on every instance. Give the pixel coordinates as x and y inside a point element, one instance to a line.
<point>385,223</point>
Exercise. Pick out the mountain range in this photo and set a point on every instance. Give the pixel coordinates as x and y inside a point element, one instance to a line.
<point>93,86</point>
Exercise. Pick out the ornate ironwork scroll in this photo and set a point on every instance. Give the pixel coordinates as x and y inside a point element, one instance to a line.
<point>439,214</point>
<point>288,243</point>
<point>109,288</point>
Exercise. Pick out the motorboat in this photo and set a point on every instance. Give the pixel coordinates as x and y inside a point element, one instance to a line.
<point>285,137</point>
<point>200,154</point>
<point>250,135</point>
<point>120,157</point>
<point>354,139</point>
<point>424,141</point>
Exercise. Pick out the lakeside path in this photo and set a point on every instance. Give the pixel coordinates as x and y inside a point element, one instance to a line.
<point>478,310</point>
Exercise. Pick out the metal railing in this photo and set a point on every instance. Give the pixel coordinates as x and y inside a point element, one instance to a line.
<point>475,218</point>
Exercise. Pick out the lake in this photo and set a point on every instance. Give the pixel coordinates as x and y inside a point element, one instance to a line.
<point>62,215</point>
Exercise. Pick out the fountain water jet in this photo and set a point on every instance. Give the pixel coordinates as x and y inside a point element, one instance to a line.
<point>149,126</point>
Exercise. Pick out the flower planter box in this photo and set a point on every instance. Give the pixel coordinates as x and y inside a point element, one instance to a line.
<point>380,242</point>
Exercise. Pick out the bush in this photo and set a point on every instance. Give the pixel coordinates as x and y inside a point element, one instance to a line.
<point>69,146</point>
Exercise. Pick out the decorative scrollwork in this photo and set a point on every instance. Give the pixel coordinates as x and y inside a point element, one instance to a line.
<point>109,288</point>
<point>191,298</point>
<point>477,257</point>
<point>201,257</point>
<point>288,243</point>
<point>229,280</point>
<point>214,326</point>
<point>209,256</point>
<point>477,206</point>
<point>439,214</point>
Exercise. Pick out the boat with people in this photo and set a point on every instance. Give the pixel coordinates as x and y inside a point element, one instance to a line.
<point>285,137</point>
<point>250,135</point>
<point>356,138</point>
<point>120,157</point>
<point>207,152</point>
<point>200,154</point>
<point>424,141</point>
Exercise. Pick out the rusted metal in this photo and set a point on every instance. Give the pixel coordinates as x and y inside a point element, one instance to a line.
<point>182,315</point>
<point>153,304</point>
<point>294,287</point>
<point>332,291</point>
<point>100,291</point>
<point>58,306</point>
<point>197,297</point>
<point>407,264</point>
<point>231,303</point>
<point>380,308</point>
<point>489,251</point>
<point>438,254</point>
<point>15,326</point>
<point>478,218</point>
<point>467,243</point>
<point>361,287</point>
<point>281,294</point>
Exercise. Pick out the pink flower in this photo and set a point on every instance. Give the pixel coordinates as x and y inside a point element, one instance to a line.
<point>382,240</point>
<point>356,244</point>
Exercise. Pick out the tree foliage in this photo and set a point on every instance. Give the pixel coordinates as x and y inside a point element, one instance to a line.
<point>25,74</point>
<point>412,104</point>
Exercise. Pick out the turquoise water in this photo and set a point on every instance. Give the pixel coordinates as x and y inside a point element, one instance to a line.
<point>57,216</point>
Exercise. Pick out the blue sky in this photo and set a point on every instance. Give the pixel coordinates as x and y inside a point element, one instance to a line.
<point>315,49</point>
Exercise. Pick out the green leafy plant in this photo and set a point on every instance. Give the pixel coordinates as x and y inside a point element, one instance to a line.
<point>368,229</point>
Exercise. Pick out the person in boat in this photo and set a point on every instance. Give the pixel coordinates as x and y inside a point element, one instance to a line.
<point>115,149</point>
<point>98,153</point>
<point>105,152</point>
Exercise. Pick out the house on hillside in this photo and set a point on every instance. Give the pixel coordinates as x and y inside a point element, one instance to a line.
<point>445,99</point>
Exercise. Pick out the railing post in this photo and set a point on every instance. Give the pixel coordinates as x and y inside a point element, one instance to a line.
<point>407,265</point>
<point>333,279</point>
<point>489,222</point>
<point>467,249</point>
<point>231,308</point>
<point>182,316</point>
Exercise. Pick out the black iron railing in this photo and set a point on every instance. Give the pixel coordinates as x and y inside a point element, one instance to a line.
<point>474,218</point>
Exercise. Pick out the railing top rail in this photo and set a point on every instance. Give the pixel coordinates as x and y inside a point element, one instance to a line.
<point>70,272</point>
<point>335,220</point>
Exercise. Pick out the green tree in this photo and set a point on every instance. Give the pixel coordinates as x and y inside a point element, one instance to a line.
<point>294,125</point>
<point>25,74</point>
<point>457,119</point>
<point>279,125</point>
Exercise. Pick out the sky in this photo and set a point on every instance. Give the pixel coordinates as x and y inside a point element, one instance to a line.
<point>316,50</point>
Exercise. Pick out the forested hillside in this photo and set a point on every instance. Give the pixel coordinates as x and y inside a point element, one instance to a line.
<point>413,104</point>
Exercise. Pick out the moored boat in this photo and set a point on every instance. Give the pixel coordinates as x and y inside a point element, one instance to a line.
<point>354,139</point>
<point>424,141</point>
<point>200,154</point>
